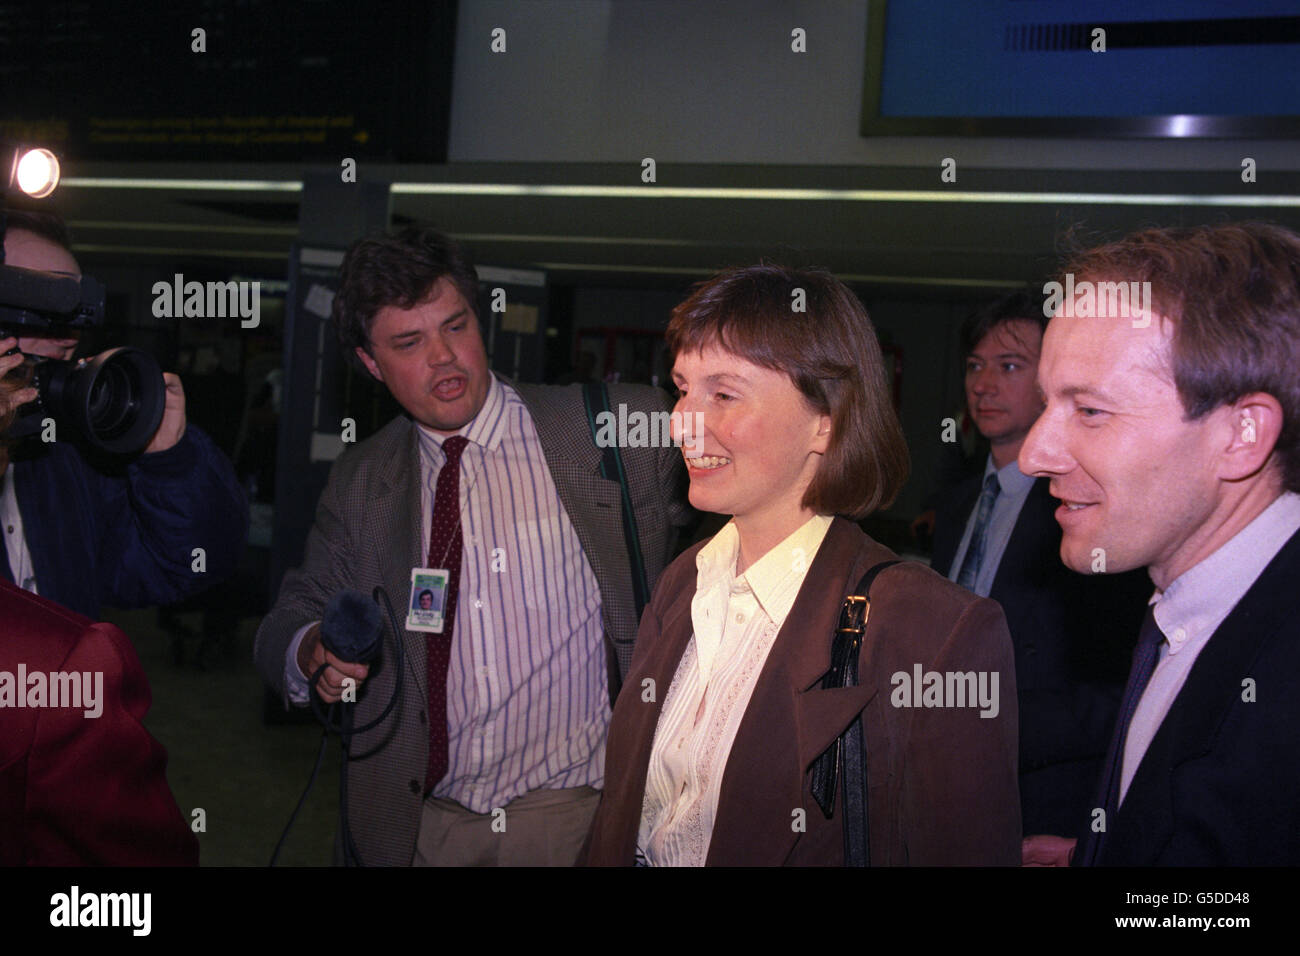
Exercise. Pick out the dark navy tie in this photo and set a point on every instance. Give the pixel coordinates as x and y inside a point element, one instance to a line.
<point>1145,656</point>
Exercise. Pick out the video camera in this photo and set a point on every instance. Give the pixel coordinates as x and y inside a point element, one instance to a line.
<point>114,401</point>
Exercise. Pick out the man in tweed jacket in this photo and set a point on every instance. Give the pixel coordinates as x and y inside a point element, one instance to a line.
<point>545,620</point>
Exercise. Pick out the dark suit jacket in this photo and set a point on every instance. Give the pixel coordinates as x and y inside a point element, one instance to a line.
<point>1220,783</point>
<point>367,532</point>
<point>125,536</point>
<point>78,790</point>
<point>942,781</point>
<point>1073,636</point>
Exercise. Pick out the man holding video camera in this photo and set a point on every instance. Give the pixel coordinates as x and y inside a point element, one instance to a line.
<point>84,532</point>
<point>82,783</point>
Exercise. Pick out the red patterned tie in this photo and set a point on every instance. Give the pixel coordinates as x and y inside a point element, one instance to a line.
<point>445,548</point>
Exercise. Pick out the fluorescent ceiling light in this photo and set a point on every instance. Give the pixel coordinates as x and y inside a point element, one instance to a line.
<point>716,193</point>
<point>198,185</point>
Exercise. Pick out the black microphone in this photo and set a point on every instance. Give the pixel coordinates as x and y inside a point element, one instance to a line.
<point>351,627</point>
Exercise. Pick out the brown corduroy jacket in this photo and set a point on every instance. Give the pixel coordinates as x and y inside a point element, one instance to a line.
<point>942,779</point>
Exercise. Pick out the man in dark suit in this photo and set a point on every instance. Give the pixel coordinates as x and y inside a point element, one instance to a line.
<point>994,534</point>
<point>81,781</point>
<point>86,532</point>
<point>1172,437</point>
<point>494,753</point>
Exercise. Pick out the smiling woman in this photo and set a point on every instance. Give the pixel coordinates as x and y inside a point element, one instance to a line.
<point>781,376</point>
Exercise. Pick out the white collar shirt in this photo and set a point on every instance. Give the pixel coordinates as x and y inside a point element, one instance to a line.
<point>735,619</point>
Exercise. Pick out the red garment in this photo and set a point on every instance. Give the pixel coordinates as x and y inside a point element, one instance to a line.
<point>78,790</point>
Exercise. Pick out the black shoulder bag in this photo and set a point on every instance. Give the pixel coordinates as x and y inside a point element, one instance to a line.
<point>596,397</point>
<point>846,759</point>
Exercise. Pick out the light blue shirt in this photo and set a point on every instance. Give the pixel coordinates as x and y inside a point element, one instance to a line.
<point>1006,509</point>
<point>1191,609</point>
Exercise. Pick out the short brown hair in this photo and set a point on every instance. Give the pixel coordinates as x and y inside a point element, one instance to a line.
<point>398,270</point>
<point>829,350</point>
<point>1232,295</point>
<point>1018,306</point>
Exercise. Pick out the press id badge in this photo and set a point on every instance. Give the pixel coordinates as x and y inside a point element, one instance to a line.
<point>428,600</point>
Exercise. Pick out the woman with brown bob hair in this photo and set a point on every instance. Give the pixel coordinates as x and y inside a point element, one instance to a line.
<point>787,426</point>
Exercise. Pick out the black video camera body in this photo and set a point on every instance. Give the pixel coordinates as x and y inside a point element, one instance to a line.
<point>113,401</point>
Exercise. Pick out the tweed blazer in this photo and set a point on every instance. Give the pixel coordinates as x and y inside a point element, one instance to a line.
<point>368,532</point>
<point>942,781</point>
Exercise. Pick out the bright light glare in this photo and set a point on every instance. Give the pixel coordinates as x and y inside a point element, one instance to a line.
<point>38,173</point>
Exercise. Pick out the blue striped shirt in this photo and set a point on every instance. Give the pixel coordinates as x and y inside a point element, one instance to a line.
<point>527,693</point>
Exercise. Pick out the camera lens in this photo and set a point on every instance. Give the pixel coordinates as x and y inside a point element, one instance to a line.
<point>113,399</point>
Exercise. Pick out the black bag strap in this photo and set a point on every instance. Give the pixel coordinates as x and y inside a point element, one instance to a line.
<point>845,761</point>
<point>596,397</point>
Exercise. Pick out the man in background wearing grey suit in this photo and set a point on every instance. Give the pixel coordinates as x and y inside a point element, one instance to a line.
<point>494,752</point>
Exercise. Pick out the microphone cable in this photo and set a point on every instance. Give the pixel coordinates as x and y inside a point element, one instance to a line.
<point>343,727</point>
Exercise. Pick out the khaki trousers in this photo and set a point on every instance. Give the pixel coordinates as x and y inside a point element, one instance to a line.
<point>540,828</point>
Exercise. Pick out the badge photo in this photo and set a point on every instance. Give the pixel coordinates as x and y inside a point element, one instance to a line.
<point>428,600</point>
